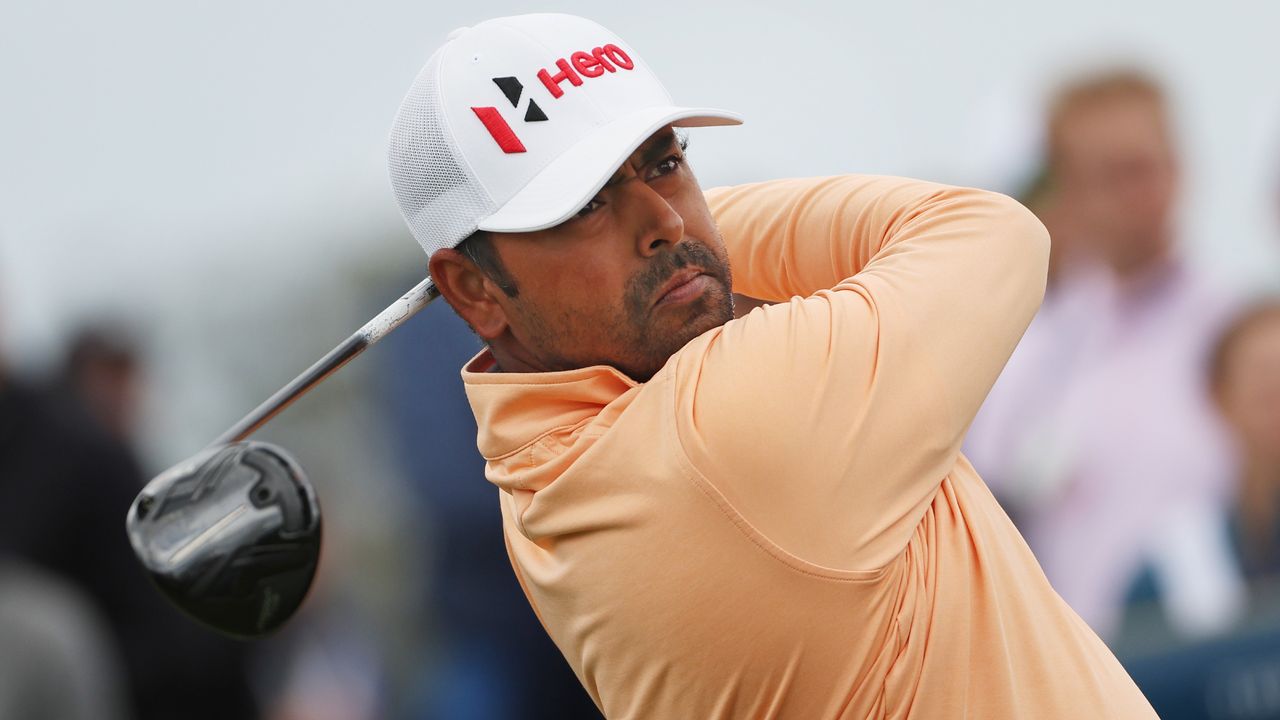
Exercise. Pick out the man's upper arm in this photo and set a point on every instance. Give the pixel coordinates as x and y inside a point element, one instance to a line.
<point>829,420</point>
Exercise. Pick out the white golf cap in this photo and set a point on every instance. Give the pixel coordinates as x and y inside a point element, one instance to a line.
<point>516,123</point>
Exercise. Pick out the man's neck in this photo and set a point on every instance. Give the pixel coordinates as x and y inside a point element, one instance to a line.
<point>505,359</point>
<point>1142,280</point>
<point>743,304</point>
<point>1153,253</point>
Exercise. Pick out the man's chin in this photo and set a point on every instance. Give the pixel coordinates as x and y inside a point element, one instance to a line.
<point>672,327</point>
<point>712,310</point>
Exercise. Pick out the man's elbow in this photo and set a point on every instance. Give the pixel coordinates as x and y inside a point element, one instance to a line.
<point>1024,244</point>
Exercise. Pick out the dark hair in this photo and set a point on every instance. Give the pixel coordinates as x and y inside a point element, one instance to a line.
<point>1260,313</point>
<point>478,246</point>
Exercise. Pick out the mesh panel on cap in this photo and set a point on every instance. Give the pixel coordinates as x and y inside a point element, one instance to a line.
<point>441,200</point>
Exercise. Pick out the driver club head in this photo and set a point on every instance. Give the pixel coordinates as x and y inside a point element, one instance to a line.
<point>231,536</point>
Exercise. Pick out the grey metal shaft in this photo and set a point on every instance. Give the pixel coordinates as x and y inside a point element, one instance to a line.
<point>379,327</point>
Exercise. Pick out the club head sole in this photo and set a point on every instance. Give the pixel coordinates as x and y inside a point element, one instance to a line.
<point>231,536</point>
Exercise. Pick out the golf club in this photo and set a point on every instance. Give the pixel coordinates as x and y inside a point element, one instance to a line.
<point>232,535</point>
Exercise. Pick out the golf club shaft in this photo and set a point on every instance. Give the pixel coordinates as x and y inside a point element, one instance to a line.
<point>373,331</point>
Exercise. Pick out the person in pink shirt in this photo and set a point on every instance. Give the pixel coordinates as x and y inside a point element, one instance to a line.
<point>1100,435</point>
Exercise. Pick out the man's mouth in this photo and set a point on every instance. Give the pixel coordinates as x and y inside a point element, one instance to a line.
<point>685,285</point>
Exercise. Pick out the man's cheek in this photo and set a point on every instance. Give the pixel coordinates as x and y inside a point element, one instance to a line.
<point>696,216</point>
<point>565,287</point>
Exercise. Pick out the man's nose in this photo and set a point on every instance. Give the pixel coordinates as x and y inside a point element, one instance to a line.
<point>656,222</point>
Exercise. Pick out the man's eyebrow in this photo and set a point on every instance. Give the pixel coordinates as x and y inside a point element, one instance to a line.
<point>658,148</point>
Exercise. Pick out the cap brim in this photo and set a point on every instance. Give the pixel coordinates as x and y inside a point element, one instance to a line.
<point>564,186</point>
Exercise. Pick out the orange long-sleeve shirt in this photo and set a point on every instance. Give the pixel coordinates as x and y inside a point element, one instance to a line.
<point>780,523</point>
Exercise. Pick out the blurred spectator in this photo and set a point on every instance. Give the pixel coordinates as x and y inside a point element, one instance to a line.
<point>325,672</point>
<point>492,659</point>
<point>1245,372</point>
<point>56,658</point>
<point>65,485</point>
<point>102,369</point>
<point>1100,436</point>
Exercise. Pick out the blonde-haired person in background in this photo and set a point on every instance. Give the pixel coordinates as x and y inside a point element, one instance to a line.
<point>1100,434</point>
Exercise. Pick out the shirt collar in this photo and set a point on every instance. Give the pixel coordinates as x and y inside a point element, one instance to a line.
<point>515,409</point>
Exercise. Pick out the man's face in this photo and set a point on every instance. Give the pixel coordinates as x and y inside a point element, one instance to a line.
<point>1119,176</point>
<point>639,272</point>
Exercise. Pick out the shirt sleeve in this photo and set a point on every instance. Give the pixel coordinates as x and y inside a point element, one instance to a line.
<point>829,420</point>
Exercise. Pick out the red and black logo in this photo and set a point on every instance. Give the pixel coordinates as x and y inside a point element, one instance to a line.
<point>600,61</point>
<point>497,125</point>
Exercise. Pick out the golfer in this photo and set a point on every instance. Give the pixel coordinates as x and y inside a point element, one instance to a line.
<point>765,516</point>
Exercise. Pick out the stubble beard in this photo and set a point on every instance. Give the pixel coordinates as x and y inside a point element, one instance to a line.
<point>641,337</point>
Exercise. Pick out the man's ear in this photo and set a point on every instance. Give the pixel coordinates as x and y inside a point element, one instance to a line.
<point>469,292</point>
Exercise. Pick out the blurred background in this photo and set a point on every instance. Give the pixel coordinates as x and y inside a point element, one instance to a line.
<point>194,206</point>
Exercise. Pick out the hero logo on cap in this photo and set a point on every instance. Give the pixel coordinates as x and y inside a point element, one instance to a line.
<point>497,126</point>
<point>601,60</point>
<point>515,123</point>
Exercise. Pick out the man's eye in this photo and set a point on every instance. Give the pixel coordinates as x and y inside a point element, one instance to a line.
<point>667,166</point>
<point>590,207</point>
